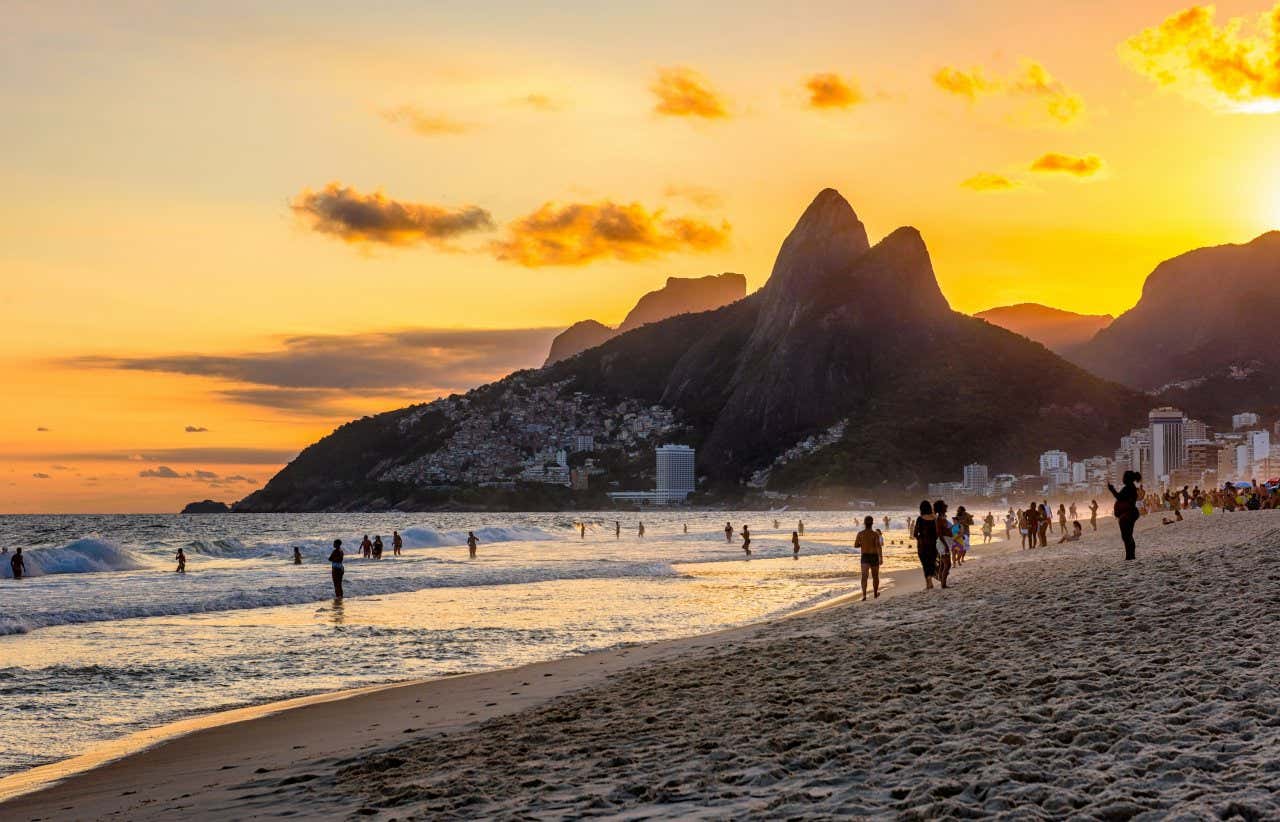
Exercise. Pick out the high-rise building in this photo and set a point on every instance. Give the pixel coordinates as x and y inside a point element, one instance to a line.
<point>675,473</point>
<point>1243,463</point>
<point>1259,445</point>
<point>1168,452</point>
<point>975,479</point>
<point>1246,419</point>
<point>1195,430</point>
<point>1052,462</point>
<point>584,442</point>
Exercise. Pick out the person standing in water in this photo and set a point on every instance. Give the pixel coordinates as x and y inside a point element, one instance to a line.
<point>1126,510</point>
<point>336,568</point>
<point>297,555</point>
<point>686,527</point>
<point>1093,513</point>
<point>746,539</point>
<point>17,565</point>
<point>640,530</point>
<point>886,522</point>
<point>728,532</point>
<point>366,547</point>
<point>795,545</point>
<point>377,546</point>
<point>397,542</point>
<point>870,544</point>
<point>472,542</point>
<point>925,532</point>
<point>617,529</point>
<point>182,561</point>
<point>800,528</point>
<point>582,530</point>
<point>775,525</point>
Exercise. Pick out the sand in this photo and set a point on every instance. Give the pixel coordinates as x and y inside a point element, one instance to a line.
<point>1049,683</point>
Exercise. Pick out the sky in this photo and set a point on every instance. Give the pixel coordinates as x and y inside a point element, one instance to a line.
<point>230,227</point>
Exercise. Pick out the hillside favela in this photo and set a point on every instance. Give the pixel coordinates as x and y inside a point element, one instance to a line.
<point>716,411</point>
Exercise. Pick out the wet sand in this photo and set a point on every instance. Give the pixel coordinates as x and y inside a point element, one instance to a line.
<point>1048,683</point>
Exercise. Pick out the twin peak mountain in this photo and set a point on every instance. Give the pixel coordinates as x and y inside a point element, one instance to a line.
<point>845,336</point>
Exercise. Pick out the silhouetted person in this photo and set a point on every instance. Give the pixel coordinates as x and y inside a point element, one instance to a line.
<point>377,547</point>
<point>17,564</point>
<point>617,529</point>
<point>925,531</point>
<point>1093,513</point>
<point>1126,510</point>
<point>297,555</point>
<point>182,561</point>
<point>686,527</point>
<point>582,530</point>
<point>746,539</point>
<point>336,568</point>
<point>870,544</point>
<point>775,525</point>
<point>397,542</point>
<point>472,542</point>
<point>795,545</point>
<point>366,547</point>
<point>728,532</point>
<point>800,528</point>
<point>640,531</point>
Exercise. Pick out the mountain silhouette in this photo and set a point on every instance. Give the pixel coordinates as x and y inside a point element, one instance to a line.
<point>680,295</point>
<point>844,337</point>
<point>1057,330</point>
<point>1203,333</point>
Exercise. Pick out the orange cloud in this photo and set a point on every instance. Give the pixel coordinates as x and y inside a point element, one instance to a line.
<point>968,84</point>
<point>421,122</point>
<point>1053,162</point>
<point>987,181</point>
<point>377,219</point>
<point>538,102</point>
<point>682,92</point>
<point>1219,65</point>
<point>830,91</point>
<point>580,233</point>
<point>1034,80</point>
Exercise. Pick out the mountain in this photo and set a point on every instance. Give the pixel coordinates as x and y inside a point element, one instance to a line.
<point>680,295</point>
<point>1057,330</point>
<point>207,506</point>
<point>1203,334</point>
<point>848,369</point>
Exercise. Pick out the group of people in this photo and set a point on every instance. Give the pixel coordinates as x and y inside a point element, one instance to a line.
<point>373,549</point>
<point>338,557</point>
<point>1036,523</point>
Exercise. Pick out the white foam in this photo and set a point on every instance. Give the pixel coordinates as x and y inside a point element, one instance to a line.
<point>424,536</point>
<point>83,556</point>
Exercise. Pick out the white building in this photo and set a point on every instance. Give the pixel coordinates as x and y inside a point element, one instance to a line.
<point>1247,419</point>
<point>1079,473</point>
<point>1168,445</point>
<point>1053,462</point>
<point>1259,445</point>
<point>584,442</point>
<point>675,473</point>
<point>1242,462</point>
<point>975,479</point>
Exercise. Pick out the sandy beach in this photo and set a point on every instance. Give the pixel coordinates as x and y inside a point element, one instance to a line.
<point>1049,683</point>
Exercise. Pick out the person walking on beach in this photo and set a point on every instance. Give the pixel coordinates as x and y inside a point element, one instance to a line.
<point>988,525</point>
<point>1010,522</point>
<point>1126,510</point>
<point>746,540</point>
<point>377,546</point>
<point>366,547</point>
<point>925,532</point>
<point>297,555</point>
<point>795,546</point>
<point>870,545</point>
<point>336,568</point>
<point>182,561</point>
<point>963,524</point>
<point>17,565</point>
<point>946,537</point>
<point>1045,519</point>
<point>728,532</point>
<point>472,542</point>
<point>1093,513</point>
<point>1074,515</point>
<point>1062,518</point>
<point>640,530</point>
<point>1030,527</point>
<point>396,543</point>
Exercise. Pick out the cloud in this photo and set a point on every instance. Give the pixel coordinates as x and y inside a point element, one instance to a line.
<point>332,374</point>
<point>988,181</point>
<point>1053,162</point>
<point>830,91</point>
<point>538,102</point>
<point>580,233</point>
<point>682,92</point>
<point>41,476</point>
<point>42,428</point>
<point>1032,80</point>
<point>421,122</point>
<point>1224,66</point>
<point>967,84</point>
<point>163,472</point>
<point>377,219</point>
<point>180,456</point>
<point>195,429</point>
<point>700,196</point>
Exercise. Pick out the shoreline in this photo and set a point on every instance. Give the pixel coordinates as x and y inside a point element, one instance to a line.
<point>206,746</point>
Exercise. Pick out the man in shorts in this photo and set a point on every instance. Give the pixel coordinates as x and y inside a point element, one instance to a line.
<point>870,545</point>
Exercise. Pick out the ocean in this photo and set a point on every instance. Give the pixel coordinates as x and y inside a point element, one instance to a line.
<point>104,639</point>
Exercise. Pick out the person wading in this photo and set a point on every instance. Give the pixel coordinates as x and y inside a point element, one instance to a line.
<point>336,567</point>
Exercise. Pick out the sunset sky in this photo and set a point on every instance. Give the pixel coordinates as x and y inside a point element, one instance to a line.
<point>228,227</point>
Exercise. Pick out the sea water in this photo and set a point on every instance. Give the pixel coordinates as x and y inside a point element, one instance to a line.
<point>103,638</point>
